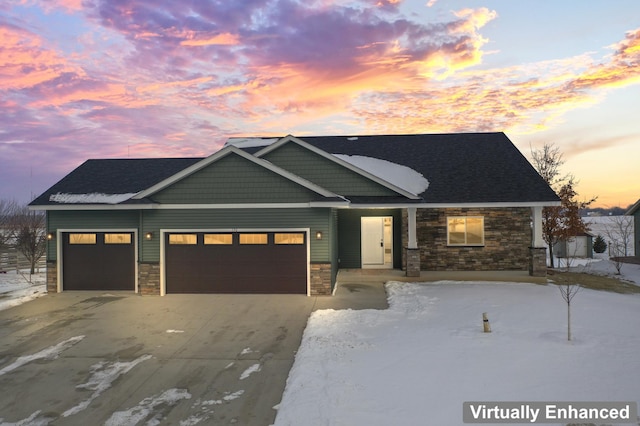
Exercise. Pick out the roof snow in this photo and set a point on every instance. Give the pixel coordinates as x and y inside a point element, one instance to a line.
<point>250,142</point>
<point>401,176</point>
<point>92,198</point>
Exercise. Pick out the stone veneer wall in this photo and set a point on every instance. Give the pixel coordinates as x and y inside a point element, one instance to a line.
<point>507,240</point>
<point>320,279</point>
<point>52,277</point>
<point>149,279</point>
<point>538,262</point>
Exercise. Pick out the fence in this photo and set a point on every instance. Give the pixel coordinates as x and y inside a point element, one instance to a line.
<point>12,260</point>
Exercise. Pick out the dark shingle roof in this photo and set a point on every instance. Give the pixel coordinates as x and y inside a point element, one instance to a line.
<point>460,167</point>
<point>115,176</point>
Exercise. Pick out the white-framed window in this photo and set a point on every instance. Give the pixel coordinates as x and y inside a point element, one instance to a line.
<point>183,239</point>
<point>82,238</point>
<point>218,239</point>
<point>465,231</point>
<point>117,238</point>
<point>253,239</point>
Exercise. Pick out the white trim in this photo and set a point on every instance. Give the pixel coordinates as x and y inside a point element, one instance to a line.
<point>252,205</point>
<point>223,153</point>
<point>59,251</point>
<point>164,231</point>
<point>337,160</point>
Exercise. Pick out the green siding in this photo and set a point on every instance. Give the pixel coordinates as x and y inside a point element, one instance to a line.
<point>326,173</point>
<point>234,179</point>
<point>88,219</point>
<point>349,235</point>
<point>314,219</point>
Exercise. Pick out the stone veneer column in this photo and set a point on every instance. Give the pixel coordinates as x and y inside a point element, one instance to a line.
<point>538,261</point>
<point>149,279</point>
<point>413,262</point>
<point>320,279</point>
<point>52,277</point>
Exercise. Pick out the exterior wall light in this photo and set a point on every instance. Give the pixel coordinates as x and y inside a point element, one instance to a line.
<point>148,236</point>
<point>50,236</point>
<point>318,235</point>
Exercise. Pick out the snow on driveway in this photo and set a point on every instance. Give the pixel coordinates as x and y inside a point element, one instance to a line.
<point>417,362</point>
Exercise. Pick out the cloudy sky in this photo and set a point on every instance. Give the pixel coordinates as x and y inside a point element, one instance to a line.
<point>86,79</point>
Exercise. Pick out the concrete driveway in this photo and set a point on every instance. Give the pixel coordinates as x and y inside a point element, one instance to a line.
<point>91,358</point>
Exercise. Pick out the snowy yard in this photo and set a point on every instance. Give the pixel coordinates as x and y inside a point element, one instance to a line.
<point>417,362</point>
<point>16,289</point>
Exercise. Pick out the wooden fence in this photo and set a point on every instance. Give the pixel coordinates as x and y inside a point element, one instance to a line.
<point>12,260</point>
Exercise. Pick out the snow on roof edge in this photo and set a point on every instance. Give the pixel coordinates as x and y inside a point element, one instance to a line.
<point>91,198</point>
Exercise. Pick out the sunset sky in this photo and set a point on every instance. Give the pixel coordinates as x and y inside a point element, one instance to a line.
<point>84,79</point>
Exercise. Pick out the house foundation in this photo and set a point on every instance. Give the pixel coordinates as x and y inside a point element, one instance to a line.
<point>52,277</point>
<point>320,282</point>
<point>538,261</point>
<point>413,262</point>
<point>149,279</point>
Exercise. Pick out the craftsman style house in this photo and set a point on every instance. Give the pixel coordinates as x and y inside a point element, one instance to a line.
<point>282,215</point>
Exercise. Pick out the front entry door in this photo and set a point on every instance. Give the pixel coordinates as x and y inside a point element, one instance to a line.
<point>377,242</point>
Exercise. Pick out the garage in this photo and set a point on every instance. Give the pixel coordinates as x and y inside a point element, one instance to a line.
<point>236,262</point>
<point>98,261</point>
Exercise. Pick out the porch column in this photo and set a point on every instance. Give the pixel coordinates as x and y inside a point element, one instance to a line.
<point>536,216</point>
<point>413,252</point>
<point>538,250</point>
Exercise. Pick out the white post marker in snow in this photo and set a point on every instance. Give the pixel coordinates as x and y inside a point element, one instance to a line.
<point>485,323</point>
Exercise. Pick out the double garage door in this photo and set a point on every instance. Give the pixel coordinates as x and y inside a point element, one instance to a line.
<point>236,262</point>
<point>195,262</point>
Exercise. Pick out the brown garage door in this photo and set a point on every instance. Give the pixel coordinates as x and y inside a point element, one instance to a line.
<point>98,261</point>
<point>238,262</point>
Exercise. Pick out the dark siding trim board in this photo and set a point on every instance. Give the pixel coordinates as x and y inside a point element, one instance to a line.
<point>165,232</point>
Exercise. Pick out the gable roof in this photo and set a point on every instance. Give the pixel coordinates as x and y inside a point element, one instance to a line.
<point>232,150</point>
<point>345,164</point>
<point>633,209</point>
<point>462,168</point>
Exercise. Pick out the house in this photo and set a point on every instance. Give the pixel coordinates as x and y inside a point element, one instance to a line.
<point>635,212</point>
<point>282,215</point>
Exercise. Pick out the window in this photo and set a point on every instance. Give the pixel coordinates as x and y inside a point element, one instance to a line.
<point>224,239</point>
<point>253,238</point>
<point>465,231</point>
<point>117,238</point>
<point>82,238</point>
<point>183,239</point>
<point>289,238</point>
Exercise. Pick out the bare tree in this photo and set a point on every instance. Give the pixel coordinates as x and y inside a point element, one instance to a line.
<point>27,230</point>
<point>620,234</point>
<point>568,292</point>
<point>564,221</point>
<point>8,209</point>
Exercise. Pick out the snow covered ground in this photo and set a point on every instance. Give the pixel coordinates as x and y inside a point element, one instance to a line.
<point>417,362</point>
<point>16,289</point>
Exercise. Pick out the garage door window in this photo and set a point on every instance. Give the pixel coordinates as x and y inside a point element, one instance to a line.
<point>222,239</point>
<point>183,239</point>
<point>253,238</point>
<point>289,238</point>
<point>117,238</point>
<point>82,238</point>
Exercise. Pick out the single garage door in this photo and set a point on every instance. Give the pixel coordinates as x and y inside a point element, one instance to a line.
<point>98,261</point>
<point>236,262</point>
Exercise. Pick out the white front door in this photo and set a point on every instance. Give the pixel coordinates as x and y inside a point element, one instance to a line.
<point>377,242</point>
